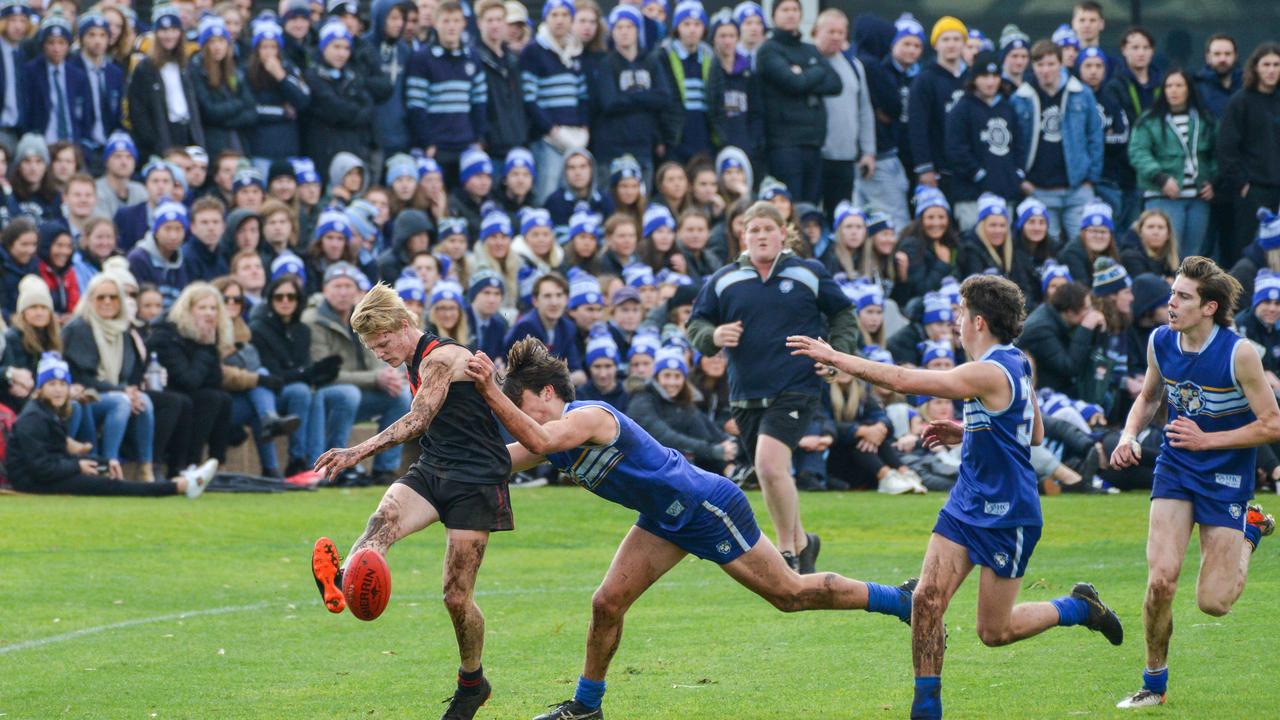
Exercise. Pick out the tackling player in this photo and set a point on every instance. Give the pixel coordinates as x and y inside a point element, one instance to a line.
<point>460,478</point>
<point>992,517</point>
<point>1220,409</point>
<point>683,510</point>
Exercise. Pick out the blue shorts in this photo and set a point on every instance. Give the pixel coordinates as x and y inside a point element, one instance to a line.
<point>1207,510</point>
<point>1005,550</point>
<point>721,528</point>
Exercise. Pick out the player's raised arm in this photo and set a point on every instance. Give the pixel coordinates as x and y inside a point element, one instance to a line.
<point>1128,452</point>
<point>974,379</point>
<point>436,373</point>
<point>1185,433</point>
<point>574,430</point>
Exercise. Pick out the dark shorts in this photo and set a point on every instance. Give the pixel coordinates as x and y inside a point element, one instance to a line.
<point>1005,550</point>
<point>785,420</point>
<point>463,505</point>
<point>1206,510</point>
<point>721,528</point>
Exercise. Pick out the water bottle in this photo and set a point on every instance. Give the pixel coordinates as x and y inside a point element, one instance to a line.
<point>155,374</point>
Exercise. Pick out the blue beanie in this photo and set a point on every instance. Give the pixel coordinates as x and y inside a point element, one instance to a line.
<point>267,29</point>
<point>399,166</point>
<point>52,367</point>
<point>332,30</point>
<point>638,275</point>
<point>484,278</point>
<point>1268,229</point>
<point>211,26</point>
<point>657,216</point>
<point>167,212</point>
<point>624,166</point>
<point>447,290</point>
<point>428,166</point>
<point>119,141</point>
<point>746,9</point>
<point>1029,208</point>
<point>520,157</point>
<point>535,218</point>
<point>1097,214</point>
<point>907,26</point>
<point>1050,272</point>
<point>473,162</point>
<point>1064,36</point>
<point>447,227</point>
<point>933,350</point>
<point>625,13</point>
<point>986,44</point>
<point>584,223</point>
<point>1266,286</point>
<point>600,343</point>
<point>937,308</point>
<point>1109,277</point>
<point>865,294</point>
<point>584,289</point>
<point>878,221</point>
<point>670,358</point>
<point>494,223</point>
<point>411,289</point>
<point>333,221</point>
<point>844,211</point>
<point>92,21</point>
<point>550,5</point>
<point>165,15</point>
<point>287,263</point>
<point>991,204</point>
<point>927,197</point>
<point>689,10</point>
<point>1091,52</point>
<point>304,170</point>
<point>875,353</point>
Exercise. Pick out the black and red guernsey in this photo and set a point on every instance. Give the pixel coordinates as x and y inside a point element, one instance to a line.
<point>462,443</point>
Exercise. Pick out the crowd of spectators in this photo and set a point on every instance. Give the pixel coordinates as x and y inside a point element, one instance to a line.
<point>192,203</point>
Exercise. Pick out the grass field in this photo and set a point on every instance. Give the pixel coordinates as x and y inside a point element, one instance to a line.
<point>94,591</point>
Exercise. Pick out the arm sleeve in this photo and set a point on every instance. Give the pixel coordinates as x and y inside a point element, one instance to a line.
<point>918,129</point>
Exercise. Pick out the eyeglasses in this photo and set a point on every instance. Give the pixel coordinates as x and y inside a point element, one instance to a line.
<point>237,299</point>
<point>291,297</point>
<point>98,298</point>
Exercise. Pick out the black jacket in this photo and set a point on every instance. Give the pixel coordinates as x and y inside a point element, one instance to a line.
<point>974,260</point>
<point>794,114</point>
<point>1076,257</point>
<point>1248,141</point>
<point>149,111</point>
<point>226,114</point>
<point>81,353</point>
<point>1059,352</point>
<point>285,350</point>
<point>506,126</point>
<point>191,365</point>
<point>682,427</point>
<point>38,448</point>
<point>339,117</point>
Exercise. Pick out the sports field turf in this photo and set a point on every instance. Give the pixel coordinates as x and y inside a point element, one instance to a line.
<point>93,591</point>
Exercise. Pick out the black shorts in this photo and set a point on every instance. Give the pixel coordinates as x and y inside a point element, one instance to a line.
<point>785,419</point>
<point>463,505</point>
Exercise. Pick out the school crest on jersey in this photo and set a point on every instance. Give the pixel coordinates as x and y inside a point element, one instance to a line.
<point>1187,398</point>
<point>997,136</point>
<point>1001,560</point>
<point>637,79</point>
<point>955,98</point>
<point>785,286</point>
<point>723,547</point>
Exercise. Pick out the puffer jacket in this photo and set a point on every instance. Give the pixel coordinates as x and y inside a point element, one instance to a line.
<point>794,114</point>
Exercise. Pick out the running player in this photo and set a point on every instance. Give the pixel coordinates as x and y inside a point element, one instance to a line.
<point>460,478</point>
<point>1220,409</point>
<point>992,517</point>
<point>683,510</point>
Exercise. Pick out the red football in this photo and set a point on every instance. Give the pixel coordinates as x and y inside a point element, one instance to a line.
<point>366,583</point>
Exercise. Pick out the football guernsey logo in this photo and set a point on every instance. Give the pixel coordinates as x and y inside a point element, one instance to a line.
<point>1001,559</point>
<point>785,286</point>
<point>1187,398</point>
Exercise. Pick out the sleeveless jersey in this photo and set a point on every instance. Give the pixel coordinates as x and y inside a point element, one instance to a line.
<point>996,487</point>
<point>1202,387</point>
<point>637,472</point>
<point>462,443</point>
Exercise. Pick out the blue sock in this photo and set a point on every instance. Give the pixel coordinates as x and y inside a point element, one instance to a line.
<point>1071,610</point>
<point>1253,535</point>
<point>888,600</point>
<point>1157,681</point>
<point>927,704</point>
<point>590,692</point>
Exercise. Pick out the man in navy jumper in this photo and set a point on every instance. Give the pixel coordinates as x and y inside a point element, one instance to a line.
<point>939,86</point>
<point>749,307</point>
<point>632,103</point>
<point>889,82</point>
<point>134,221</point>
<point>106,84</point>
<point>56,92</point>
<point>158,258</point>
<point>555,91</point>
<point>446,94</point>
<point>547,322</point>
<point>689,60</point>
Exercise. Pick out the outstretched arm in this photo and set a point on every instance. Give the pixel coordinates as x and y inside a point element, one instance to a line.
<point>522,459</point>
<point>1184,433</point>
<point>436,374</point>
<point>574,430</point>
<point>982,380</point>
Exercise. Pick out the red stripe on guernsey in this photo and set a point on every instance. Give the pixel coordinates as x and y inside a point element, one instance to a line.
<point>414,379</point>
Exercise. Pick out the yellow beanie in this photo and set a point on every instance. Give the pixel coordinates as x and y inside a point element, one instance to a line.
<point>947,24</point>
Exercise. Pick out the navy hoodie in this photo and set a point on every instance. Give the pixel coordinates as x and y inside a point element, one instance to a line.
<point>1214,97</point>
<point>1115,133</point>
<point>390,120</point>
<point>733,106</point>
<point>933,93</point>
<point>275,136</point>
<point>631,103</point>
<point>984,145</point>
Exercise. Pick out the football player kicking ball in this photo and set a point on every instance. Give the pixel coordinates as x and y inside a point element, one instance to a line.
<point>1220,409</point>
<point>460,478</point>
<point>992,517</point>
<point>683,510</point>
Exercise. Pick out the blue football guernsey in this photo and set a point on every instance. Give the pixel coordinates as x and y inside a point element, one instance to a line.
<point>1202,387</point>
<point>997,487</point>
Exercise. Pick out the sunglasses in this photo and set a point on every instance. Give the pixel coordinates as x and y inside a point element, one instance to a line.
<point>291,297</point>
<point>106,297</point>
<point>237,299</point>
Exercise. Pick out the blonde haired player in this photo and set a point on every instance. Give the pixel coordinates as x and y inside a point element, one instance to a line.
<point>460,478</point>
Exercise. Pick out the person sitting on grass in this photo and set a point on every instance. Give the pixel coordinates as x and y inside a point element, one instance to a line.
<point>42,459</point>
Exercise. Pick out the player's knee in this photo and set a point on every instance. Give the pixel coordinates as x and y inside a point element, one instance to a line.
<point>1161,588</point>
<point>456,601</point>
<point>928,601</point>
<point>607,605</point>
<point>994,636</point>
<point>1215,604</point>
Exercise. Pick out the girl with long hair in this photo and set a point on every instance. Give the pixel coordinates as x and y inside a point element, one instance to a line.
<point>1156,249</point>
<point>163,109</point>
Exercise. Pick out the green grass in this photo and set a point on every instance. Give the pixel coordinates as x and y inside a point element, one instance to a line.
<point>696,646</point>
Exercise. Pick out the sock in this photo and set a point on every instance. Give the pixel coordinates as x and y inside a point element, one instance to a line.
<point>927,704</point>
<point>590,692</point>
<point>1157,681</point>
<point>888,600</point>
<point>1071,610</point>
<point>1253,535</point>
<point>470,682</point>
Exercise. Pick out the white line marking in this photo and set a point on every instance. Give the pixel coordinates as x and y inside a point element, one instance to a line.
<point>41,642</point>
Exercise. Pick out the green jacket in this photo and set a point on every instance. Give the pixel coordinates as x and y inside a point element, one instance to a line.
<point>1157,154</point>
